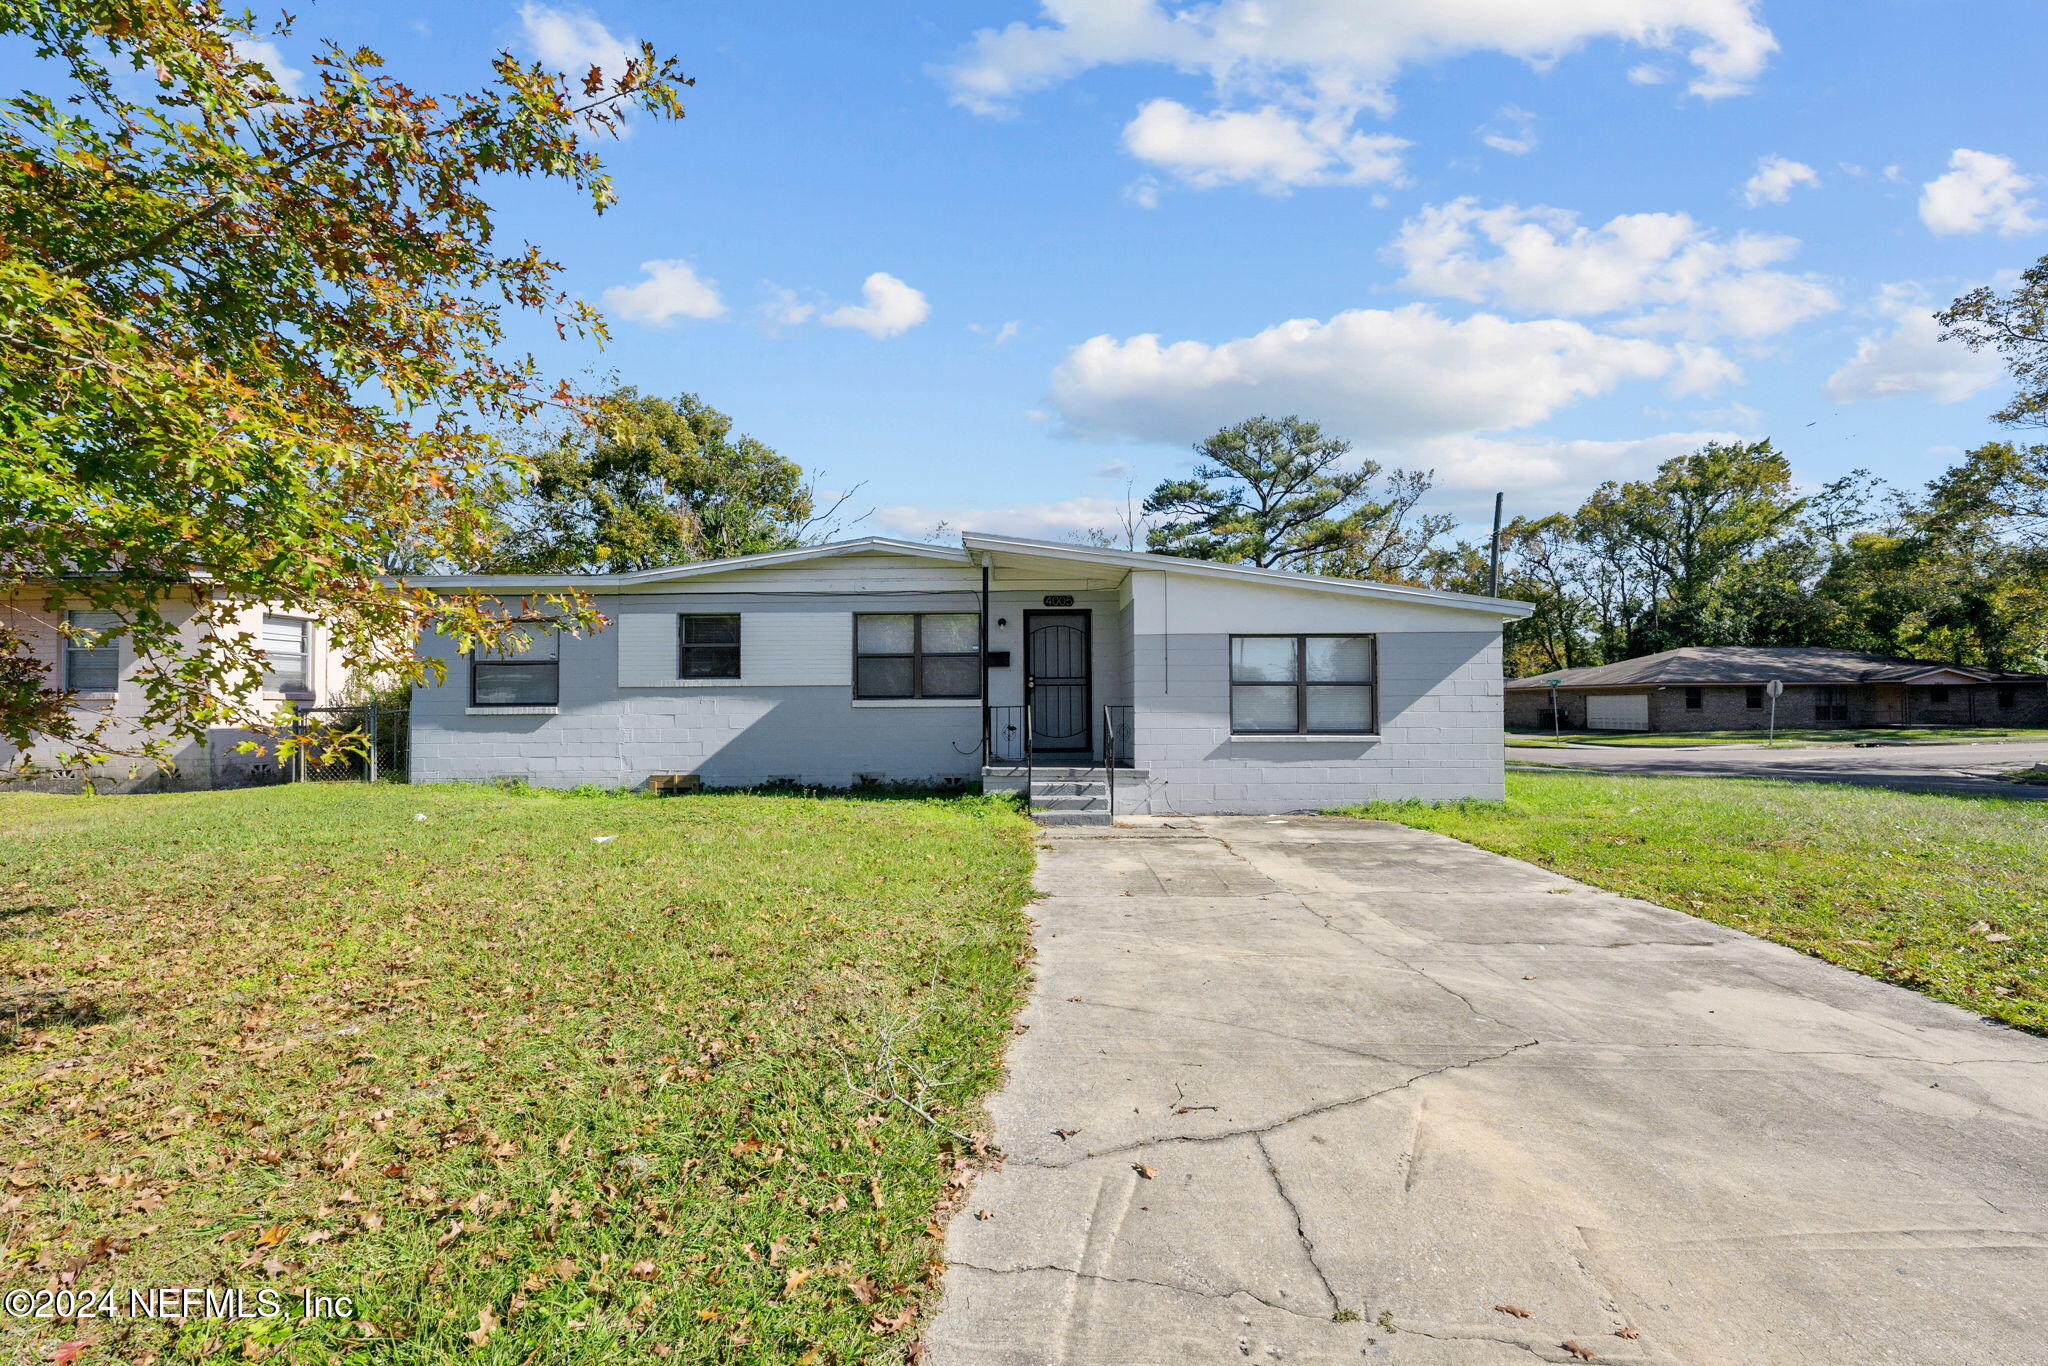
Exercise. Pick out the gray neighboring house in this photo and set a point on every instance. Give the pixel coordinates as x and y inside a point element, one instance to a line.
<point>1725,688</point>
<point>1220,688</point>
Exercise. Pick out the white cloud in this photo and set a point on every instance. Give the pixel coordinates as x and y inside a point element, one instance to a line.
<point>1006,333</point>
<point>1039,521</point>
<point>1541,473</point>
<point>784,309</point>
<point>1513,131</point>
<point>1658,271</point>
<point>1775,179</point>
<point>1339,53</point>
<point>1648,73</point>
<point>887,307</point>
<point>573,40</point>
<point>1115,469</point>
<point>265,54</point>
<point>1267,147</point>
<point>671,290</point>
<point>1383,375</point>
<point>1144,192</point>
<point>1981,190</point>
<point>1911,359</point>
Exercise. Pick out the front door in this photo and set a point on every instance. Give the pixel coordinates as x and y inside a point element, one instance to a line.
<point>1056,670</point>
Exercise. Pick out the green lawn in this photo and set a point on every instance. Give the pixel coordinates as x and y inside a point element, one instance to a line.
<point>527,1098</point>
<point>1786,735</point>
<point>1948,895</point>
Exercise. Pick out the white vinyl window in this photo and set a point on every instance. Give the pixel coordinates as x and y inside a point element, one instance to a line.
<point>1303,685</point>
<point>94,667</point>
<point>285,641</point>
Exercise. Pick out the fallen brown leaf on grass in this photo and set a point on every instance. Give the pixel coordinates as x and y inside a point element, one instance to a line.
<point>486,1324</point>
<point>1516,1310</point>
<point>883,1325</point>
<point>862,1288</point>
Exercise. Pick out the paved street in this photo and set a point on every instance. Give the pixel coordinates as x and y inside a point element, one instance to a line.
<point>1316,1090</point>
<point>1910,768</point>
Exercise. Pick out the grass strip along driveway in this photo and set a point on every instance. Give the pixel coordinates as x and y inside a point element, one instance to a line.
<point>1947,895</point>
<point>530,1078</point>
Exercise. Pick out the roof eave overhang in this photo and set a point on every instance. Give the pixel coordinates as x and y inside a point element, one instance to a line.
<point>1128,560</point>
<point>600,583</point>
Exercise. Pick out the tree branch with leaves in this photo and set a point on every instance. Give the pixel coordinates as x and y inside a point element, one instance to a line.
<point>253,345</point>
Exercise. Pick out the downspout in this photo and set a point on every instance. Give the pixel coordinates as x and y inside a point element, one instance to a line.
<point>984,664</point>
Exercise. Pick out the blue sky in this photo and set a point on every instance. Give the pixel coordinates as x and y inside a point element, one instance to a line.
<point>992,261</point>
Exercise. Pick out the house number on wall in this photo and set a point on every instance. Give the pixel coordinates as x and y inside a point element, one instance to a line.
<point>1059,599</point>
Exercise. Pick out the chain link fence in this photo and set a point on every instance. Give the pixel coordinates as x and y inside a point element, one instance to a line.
<point>354,744</point>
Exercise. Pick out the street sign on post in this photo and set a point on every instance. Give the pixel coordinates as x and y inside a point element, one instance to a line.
<point>1774,688</point>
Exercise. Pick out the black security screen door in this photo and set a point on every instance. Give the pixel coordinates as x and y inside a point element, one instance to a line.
<point>1056,663</point>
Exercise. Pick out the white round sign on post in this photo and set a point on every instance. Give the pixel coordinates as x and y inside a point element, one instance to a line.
<point>1775,687</point>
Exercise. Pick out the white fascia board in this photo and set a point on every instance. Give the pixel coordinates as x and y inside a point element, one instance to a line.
<point>614,583</point>
<point>1173,564</point>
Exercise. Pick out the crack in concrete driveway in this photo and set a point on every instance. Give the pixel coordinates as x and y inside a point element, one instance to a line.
<point>1430,1085</point>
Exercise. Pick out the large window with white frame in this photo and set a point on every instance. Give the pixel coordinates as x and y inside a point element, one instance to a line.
<point>1304,685</point>
<point>92,665</point>
<point>286,642</point>
<point>511,676</point>
<point>902,655</point>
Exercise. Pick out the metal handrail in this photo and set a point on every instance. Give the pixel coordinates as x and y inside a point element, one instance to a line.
<point>1030,765</point>
<point>1109,759</point>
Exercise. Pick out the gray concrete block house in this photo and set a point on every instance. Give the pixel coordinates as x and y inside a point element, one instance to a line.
<point>1209,687</point>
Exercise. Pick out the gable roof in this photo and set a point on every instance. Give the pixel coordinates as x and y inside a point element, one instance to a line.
<point>974,547</point>
<point>1702,664</point>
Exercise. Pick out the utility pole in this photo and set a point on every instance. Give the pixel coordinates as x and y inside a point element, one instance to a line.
<point>1493,573</point>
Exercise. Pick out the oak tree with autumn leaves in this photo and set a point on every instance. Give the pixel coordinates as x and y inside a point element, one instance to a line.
<point>253,343</point>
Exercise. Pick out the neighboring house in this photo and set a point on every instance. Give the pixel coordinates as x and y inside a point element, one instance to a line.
<point>1228,688</point>
<point>302,669</point>
<point>1727,688</point>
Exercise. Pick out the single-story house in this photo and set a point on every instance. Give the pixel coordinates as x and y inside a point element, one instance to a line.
<point>1212,687</point>
<point>302,669</point>
<point>1728,688</point>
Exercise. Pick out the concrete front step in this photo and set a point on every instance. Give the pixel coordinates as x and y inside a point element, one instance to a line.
<point>1069,790</point>
<point>1095,801</point>
<point>1100,817</point>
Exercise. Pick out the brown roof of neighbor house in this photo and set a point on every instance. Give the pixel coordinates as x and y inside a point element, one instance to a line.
<point>1754,664</point>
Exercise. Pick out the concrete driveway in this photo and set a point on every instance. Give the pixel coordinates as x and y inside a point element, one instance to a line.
<point>1965,768</point>
<point>1319,1090</point>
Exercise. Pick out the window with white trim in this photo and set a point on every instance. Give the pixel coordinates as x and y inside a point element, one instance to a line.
<point>523,671</point>
<point>285,650</point>
<point>93,666</point>
<point>1304,685</point>
<point>916,654</point>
